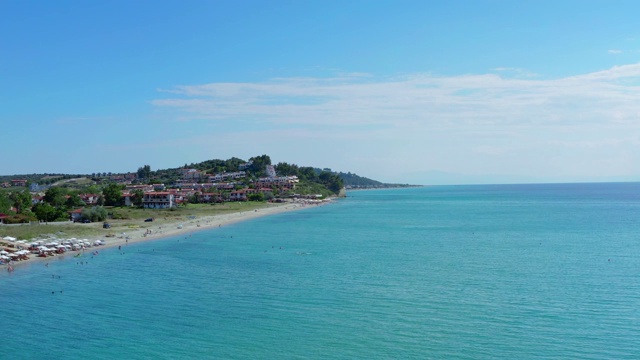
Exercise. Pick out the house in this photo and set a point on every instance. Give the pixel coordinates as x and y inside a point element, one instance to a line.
<point>245,165</point>
<point>89,199</point>
<point>74,215</point>
<point>181,195</point>
<point>227,176</point>
<point>126,199</point>
<point>144,188</point>
<point>225,186</point>
<point>159,200</point>
<point>210,197</point>
<point>22,183</point>
<point>191,174</point>
<point>282,182</point>
<point>238,195</point>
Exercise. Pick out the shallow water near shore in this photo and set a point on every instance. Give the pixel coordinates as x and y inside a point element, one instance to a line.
<point>452,272</point>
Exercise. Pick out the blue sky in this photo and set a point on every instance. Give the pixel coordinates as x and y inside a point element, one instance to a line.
<point>422,92</point>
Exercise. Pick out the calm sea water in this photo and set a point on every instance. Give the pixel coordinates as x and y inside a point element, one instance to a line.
<point>460,272</point>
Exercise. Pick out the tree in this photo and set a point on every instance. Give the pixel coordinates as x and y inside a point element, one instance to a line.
<point>259,164</point>
<point>307,173</point>
<point>256,197</point>
<point>93,214</point>
<point>5,202</point>
<point>74,200</point>
<point>92,189</point>
<point>195,198</point>
<point>137,196</point>
<point>332,181</point>
<point>112,194</point>
<point>46,212</point>
<point>55,196</point>
<point>21,200</point>
<point>144,172</point>
<point>286,169</point>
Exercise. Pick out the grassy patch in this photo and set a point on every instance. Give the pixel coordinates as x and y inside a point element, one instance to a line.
<point>127,219</point>
<point>66,230</point>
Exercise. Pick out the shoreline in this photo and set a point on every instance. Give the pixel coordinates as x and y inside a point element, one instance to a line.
<point>172,228</point>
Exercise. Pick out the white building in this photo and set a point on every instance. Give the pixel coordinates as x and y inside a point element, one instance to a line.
<point>158,200</point>
<point>227,176</point>
<point>271,171</point>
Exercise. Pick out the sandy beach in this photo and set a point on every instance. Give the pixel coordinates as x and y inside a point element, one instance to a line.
<point>165,228</point>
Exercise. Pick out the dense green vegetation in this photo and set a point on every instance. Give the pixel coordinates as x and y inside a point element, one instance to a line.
<point>355,180</point>
<point>55,206</point>
<point>61,191</point>
<point>309,175</point>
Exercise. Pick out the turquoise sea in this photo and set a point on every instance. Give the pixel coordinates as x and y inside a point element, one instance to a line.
<point>445,272</point>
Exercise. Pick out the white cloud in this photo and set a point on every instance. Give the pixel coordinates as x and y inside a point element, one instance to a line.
<point>615,51</point>
<point>466,99</point>
<point>450,123</point>
<point>516,72</point>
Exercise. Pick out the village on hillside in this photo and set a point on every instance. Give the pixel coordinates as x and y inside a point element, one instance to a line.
<point>193,186</point>
<point>196,184</point>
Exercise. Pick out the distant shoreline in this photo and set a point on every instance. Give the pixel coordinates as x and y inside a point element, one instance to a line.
<point>171,228</point>
<point>384,187</point>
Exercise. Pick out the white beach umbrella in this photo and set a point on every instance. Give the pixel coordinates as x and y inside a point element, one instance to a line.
<point>9,238</point>
<point>3,252</point>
